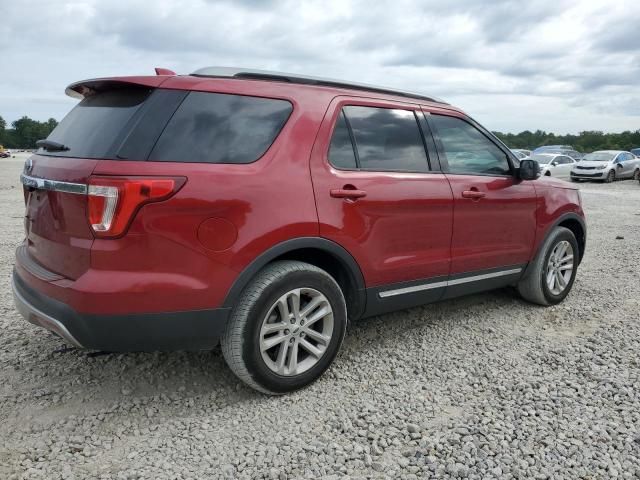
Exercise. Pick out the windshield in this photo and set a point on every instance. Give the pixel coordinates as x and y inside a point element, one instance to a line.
<point>599,157</point>
<point>542,159</point>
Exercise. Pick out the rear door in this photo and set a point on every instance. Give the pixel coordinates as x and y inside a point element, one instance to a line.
<point>564,166</point>
<point>378,197</point>
<point>629,164</point>
<point>494,212</point>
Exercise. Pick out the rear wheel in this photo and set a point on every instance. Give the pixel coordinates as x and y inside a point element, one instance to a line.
<point>636,174</point>
<point>552,273</point>
<point>286,328</point>
<point>611,176</point>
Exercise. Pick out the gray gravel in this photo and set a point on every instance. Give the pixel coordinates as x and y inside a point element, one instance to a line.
<point>481,387</point>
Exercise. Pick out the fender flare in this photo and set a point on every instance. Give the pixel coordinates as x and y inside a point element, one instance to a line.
<point>335,250</point>
<point>558,221</point>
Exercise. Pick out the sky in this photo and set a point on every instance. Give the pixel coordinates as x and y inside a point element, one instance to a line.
<point>557,65</point>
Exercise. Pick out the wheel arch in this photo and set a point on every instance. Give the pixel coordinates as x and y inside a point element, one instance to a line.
<point>573,222</point>
<point>322,253</point>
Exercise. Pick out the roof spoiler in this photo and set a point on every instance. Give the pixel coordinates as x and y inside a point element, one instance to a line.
<point>86,88</point>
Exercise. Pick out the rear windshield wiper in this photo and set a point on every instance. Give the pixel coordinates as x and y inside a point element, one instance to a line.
<point>51,146</point>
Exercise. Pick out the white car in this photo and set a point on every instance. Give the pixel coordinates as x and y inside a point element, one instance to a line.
<point>520,153</point>
<point>554,164</point>
<point>607,165</point>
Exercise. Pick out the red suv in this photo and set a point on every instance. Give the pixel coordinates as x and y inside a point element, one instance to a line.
<point>263,210</point>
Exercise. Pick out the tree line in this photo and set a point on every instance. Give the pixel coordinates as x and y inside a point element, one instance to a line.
<point>25,132</point>
<point>583,142</point>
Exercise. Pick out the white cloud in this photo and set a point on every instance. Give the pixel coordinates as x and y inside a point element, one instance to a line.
<point>559,65</point>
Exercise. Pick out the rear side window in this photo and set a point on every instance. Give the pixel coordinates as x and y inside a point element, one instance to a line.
<point>341,153</point>
<point>221,128</point>
<point>95,125</point>
<point>387,139</point>
<point>384,139</point>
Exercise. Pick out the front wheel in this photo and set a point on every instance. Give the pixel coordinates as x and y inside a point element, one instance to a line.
<point>551,275</point>
<point>611,176</point>
<point>286,329</point>
<point>636,175</point>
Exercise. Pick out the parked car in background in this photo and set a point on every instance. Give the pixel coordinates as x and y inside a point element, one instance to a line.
<point>607,165</point>
<point>561,150</point>
<point>263,209</point>
<point>635,151</point>
<point>554,165</point>
<point>520,152</point>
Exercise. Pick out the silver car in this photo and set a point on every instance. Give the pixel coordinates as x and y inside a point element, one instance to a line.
<point>554,164</point>
<point>607,165</point>
<point>521,153</point>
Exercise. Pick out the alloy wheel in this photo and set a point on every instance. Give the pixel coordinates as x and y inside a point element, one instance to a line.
<point>560,267</point>
<point>296,331</point>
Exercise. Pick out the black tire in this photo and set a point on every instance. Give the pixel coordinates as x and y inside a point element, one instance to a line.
<point>611,176</point>
<point>241,339</point>
<point>533,287</point>
<point>636,174</point>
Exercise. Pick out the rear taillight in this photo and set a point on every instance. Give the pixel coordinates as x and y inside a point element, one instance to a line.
<point>113,201</point>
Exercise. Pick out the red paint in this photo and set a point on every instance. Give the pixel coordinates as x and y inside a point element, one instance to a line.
<point>495,230</point>
<point>185,252</point>
<point>401,230</point>
<point>217,234</point>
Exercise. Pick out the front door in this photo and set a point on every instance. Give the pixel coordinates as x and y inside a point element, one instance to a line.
<point>494,214</point>
<point>378,197</point>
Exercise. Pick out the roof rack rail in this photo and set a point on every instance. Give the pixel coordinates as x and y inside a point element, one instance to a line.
<point>250,74</point>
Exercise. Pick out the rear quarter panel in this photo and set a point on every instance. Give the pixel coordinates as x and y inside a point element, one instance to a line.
<point>264,203</point>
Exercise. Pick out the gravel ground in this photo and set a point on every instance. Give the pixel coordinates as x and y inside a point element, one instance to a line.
<point>481,387</point>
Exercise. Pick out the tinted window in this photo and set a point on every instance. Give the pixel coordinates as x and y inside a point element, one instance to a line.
<point>467,150</point>
<point>341,152</point>
<point>564,160</point>
<point>95,125</point>
<point>387,139</point>
<point>220,128</point>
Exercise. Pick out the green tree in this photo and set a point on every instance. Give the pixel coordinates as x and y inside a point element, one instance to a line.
<point>25,132</point>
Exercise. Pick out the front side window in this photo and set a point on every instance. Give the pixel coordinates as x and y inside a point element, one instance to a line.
<point>467,150</point>
<point>221,128</point>
<point>387,139</point>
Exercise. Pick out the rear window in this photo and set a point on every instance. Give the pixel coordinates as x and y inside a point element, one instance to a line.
<point>94,127</point>
<point>221,128</point>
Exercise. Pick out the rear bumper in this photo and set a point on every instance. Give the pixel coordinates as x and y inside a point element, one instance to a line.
<point>190,330</point>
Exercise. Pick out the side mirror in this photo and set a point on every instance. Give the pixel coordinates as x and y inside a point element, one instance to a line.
<point>553,164</point>
<point>529,170</point>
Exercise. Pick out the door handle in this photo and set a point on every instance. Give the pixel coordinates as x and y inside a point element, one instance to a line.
<point>348,191</point>
<point>473,194</point>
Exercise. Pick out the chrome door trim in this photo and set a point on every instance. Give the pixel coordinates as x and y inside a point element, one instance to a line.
<point>456,281</point>
<point>53,185</point>
<point>416,288</point>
